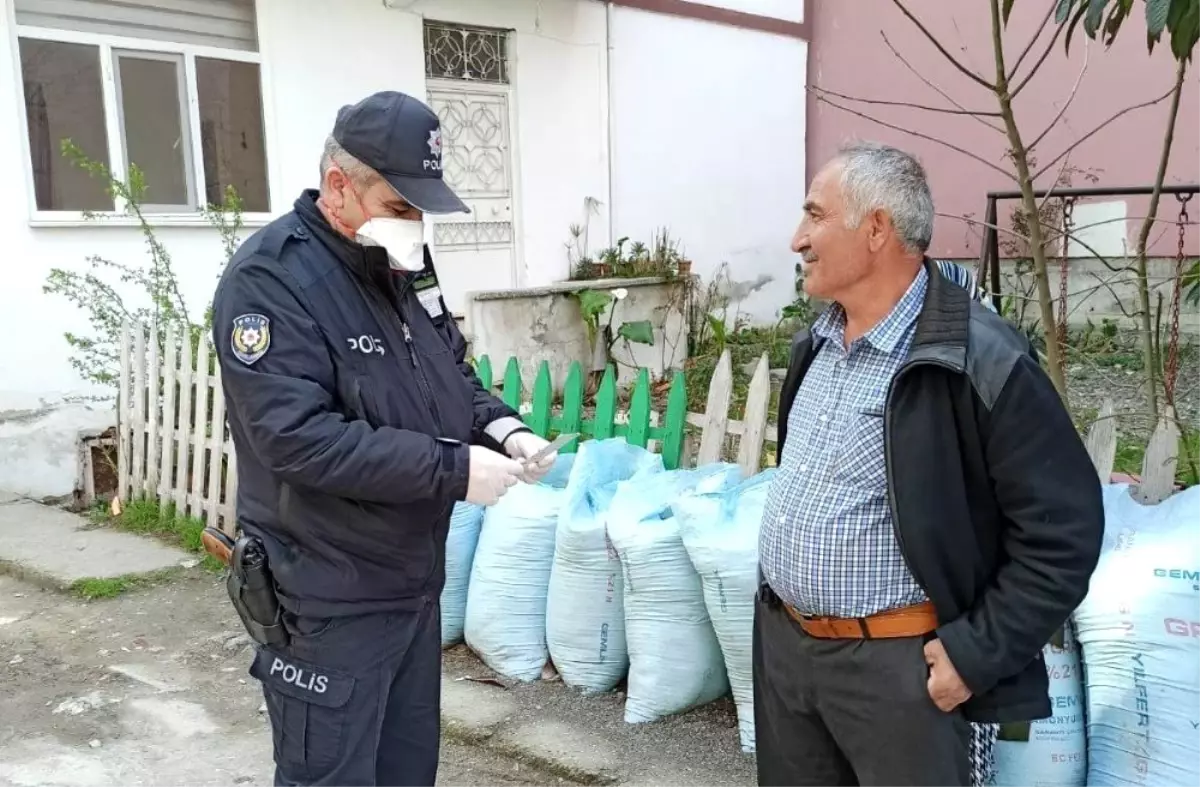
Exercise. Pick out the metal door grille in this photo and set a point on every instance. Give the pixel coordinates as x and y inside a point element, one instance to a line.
<point>475,54</point>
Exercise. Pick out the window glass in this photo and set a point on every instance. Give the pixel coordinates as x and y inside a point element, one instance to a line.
<point>149,89</point>
<point>231,132</point>
<point>64,100</point>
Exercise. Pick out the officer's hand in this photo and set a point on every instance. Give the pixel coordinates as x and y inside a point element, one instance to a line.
<point>521,446</point>
<point>491,474</point>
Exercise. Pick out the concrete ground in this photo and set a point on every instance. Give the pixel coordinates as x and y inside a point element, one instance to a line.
<point>150,687</point>
<point>56,548</point>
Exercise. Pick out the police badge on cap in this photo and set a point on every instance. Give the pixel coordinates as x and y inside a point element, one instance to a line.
<point>251,337</point>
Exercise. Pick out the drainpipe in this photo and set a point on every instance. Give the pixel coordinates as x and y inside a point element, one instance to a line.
<point>608,8</point>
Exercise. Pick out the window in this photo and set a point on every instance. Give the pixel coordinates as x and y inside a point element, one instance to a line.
<point>477,54</point>
<point>175,93</point>
<point>63,100</point>
<point>231,131</point>
<point>149,87</point>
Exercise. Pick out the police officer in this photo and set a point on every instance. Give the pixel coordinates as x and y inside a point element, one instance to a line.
<point>358,425</point>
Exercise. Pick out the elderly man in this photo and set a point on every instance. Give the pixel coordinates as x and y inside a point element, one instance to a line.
<point>935,517</point>
<point>358,425</point>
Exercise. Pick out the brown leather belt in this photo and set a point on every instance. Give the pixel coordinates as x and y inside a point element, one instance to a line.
<point>914,621</point>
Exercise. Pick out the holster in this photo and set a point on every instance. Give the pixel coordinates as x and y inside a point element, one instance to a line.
<point>252,590</point>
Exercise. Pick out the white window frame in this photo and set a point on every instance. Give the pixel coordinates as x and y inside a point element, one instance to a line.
<point>109,47</point>
<point>185,123</point>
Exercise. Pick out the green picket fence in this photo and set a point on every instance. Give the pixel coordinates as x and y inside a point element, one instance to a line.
<point>638,431</point>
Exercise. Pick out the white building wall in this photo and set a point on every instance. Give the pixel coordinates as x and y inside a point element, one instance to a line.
<point>317,55</point>
<point>708,140</point>
<point>560,157</point>
<point>34,366</point>
<point>708,127</point>
<point>558,56</point>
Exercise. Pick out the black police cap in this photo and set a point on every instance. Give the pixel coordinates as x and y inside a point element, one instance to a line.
<point>399,137</point>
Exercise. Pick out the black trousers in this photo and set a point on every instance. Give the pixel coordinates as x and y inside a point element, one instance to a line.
<point>848,712</point>
<point>356,700</point>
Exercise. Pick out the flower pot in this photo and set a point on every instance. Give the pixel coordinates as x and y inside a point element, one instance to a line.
<point>603,270</point>
<point>685,267</point>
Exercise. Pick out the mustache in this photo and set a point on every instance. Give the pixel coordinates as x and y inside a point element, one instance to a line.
<point>808,256</point>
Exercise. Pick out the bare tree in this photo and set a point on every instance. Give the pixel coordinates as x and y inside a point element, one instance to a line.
<point>1181,18</point>
<point>1004,86</point>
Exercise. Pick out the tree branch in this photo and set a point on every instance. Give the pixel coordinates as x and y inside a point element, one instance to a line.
<point>942,49</point>
<point>1098,128</point>
<point>959,111</point>
<point>1025,238</point>
<point>1058,181</point>
<point>936,89</point>
<point>1066,104</point>
<point>1038,65</point>
<point>1154,220</point>
<point>1104,284</point>
<point>1046,19</point>
<point>1082,296</point>
<point>918,135</point>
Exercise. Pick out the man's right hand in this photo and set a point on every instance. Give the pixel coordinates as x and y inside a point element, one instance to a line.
<point>491,474</point>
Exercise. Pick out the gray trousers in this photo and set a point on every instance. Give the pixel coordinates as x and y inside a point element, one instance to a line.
<point>848,712</point>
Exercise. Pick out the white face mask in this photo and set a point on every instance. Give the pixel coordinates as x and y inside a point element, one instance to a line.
<point>404,240</point>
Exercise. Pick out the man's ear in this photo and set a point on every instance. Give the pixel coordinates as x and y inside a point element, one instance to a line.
<point>334,187</point>
<point>879,228</point>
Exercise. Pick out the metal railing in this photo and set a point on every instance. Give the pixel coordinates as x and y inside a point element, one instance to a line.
<point>989,255</point>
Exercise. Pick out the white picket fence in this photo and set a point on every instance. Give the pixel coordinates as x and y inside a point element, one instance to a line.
<point>1157,479</point>
<point>173,443</point>
<point>171,434</point>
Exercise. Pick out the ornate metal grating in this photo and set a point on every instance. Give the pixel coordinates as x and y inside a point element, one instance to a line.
<point>472,233</point>
<point>475,142</point>
<point>476,54</point>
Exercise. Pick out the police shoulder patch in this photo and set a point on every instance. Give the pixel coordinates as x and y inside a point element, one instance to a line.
<point>251,337</point>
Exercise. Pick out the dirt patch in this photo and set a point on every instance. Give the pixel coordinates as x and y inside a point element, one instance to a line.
<point>104,471</point>
<point>697,747</point>
<point>129,690</point>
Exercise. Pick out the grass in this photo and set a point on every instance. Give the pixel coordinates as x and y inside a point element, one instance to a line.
<point>94,588</point>
<point>745,346</point>
<point>1131,450</point>
<point>1131,453</point>
<point>146,518</point>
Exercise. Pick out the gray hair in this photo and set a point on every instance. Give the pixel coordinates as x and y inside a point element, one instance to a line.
<point>335,155</point>
<point>876,176</point>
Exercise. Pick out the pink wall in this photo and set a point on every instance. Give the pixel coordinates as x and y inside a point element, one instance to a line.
<point>849,56</point>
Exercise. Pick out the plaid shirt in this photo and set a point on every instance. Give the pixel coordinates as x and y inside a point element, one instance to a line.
<point>827,546</point>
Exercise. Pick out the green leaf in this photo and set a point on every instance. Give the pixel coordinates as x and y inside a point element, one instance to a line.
<point>1191,283</point>
<point>1185,28</point>
<point>1063,12</point>
<point>717,325</point>
<point>640,331</point>
<point>1116,18</point>
<point>592,303</point>
<point>1071,27</point>
<point>1095,14</point>
<point>1008,5</point>
<point>1156,16</point>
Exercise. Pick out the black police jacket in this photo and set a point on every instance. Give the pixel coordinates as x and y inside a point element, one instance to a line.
<point>996,505</point>
<point>351,407</point>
